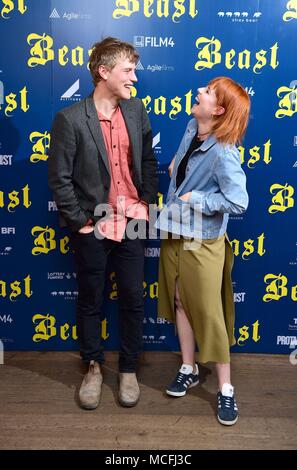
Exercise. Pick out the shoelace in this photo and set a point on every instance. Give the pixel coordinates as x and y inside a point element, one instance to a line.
<point>227,402</point>
<point>180,377</point>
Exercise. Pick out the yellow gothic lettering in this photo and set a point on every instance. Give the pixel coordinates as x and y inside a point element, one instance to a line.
<point>12,102</point>
<point>210,55</point>
<point>114,289</point>
<point>244,333</point>
<point>256,154</point>
<point>292,11</point>
<point>283,199</point>
<point>9,7</point>
<point>41,51</point>
<point>64,248</point>
<point>41,143</point>
<point>45,329</point>
<point>288,103</point>
<point>249,246</point>
<point>276,287</point>
<point>104,334</point>
<point>154,290</point>
<point>125,8</point>
<point>45,241</point>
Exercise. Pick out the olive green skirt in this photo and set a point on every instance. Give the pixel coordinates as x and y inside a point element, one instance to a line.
<point>202,270</point>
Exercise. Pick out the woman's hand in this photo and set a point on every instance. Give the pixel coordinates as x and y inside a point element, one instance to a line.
<point>185,197</point>
<point>170,168</point>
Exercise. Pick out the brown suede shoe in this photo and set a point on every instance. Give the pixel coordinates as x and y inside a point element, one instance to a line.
<point>90,390</point>
<point>129,390</point>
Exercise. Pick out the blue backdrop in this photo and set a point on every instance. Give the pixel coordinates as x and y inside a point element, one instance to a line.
<point>183,44</point>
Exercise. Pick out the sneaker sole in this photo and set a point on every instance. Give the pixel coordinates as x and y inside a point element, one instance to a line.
<point>128,404</point>
<point>227,423</point>
<point>89,407</point>
<point>181,394</point>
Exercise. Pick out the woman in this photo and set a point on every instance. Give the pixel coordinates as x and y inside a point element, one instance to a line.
<point>195,288</point>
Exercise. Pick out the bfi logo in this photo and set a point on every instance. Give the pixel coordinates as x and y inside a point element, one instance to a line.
<point>153,41</point>
<point>7,230</point>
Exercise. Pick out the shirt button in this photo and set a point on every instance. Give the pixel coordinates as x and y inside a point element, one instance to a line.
<point>116,164</point>
<point>118,182</point>
<point>114,146</point>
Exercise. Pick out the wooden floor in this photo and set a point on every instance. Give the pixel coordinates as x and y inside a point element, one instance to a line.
<point>39,409</point>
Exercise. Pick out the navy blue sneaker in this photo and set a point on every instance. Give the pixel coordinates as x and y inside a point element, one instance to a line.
<point>185,379</point>
<point>227,408</point>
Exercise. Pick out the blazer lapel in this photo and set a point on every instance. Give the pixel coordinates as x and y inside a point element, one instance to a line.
<point>95,129</point>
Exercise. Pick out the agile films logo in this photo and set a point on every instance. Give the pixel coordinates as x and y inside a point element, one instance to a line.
<point>69,16</point>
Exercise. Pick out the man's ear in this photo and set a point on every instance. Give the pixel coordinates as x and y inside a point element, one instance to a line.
<point>103,71</point>
<point>220,110</point>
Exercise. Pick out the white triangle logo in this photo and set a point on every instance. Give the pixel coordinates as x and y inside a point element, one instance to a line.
<point>73,89</point>
<point>156,140</point>
<point>54,14</point>
<point>139,66</point>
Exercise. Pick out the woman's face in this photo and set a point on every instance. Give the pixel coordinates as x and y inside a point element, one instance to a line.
<point>206,103</point>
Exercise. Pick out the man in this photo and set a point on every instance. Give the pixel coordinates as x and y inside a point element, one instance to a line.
<point>101,152</point>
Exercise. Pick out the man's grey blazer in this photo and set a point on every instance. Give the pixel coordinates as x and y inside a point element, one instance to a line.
<point>78,167</point>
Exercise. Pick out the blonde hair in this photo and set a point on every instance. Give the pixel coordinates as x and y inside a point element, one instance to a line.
<point>230,127</point>
<point>107,52</point>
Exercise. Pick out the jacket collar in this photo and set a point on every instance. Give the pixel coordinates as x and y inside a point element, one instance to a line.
<point>208,143</point>
<point>128,112</point>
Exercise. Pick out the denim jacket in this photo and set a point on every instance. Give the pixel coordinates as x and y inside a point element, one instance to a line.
<point>218,185</point>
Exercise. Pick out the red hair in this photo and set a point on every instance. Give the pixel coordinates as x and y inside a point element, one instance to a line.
<point>230,127</point>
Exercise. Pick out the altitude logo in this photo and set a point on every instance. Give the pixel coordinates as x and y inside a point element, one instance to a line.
<point>72,94</point>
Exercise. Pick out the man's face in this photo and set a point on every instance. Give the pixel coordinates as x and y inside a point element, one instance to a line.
<point>121,78</point>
